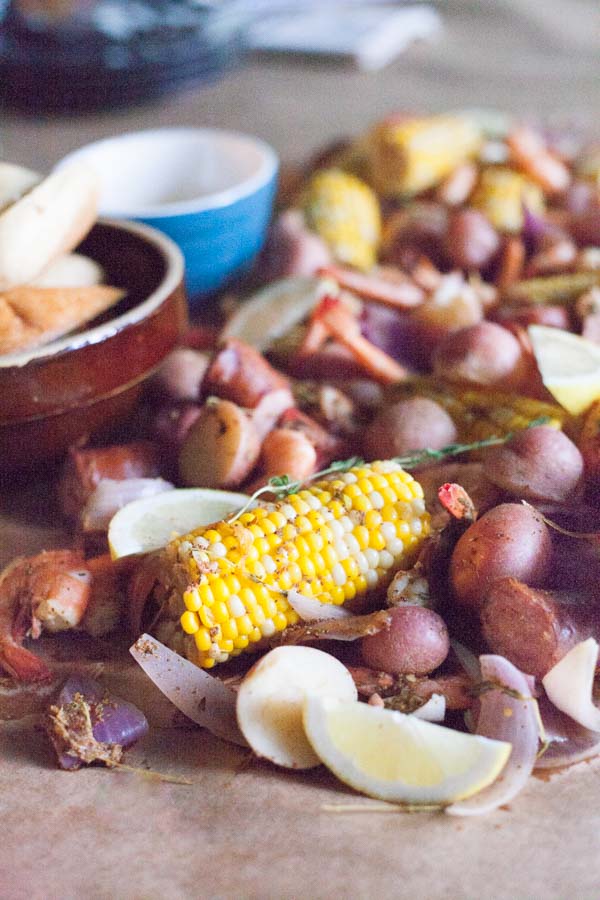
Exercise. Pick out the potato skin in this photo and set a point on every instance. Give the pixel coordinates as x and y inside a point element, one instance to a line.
<point>471,240</point>
<point>509,541</point>
<point>415,643</point>
<point>539,463</point>
<point>485,355</point>
<point>220,449</point>
<point>408,425</point>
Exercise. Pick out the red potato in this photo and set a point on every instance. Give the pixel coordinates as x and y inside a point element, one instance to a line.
<point>485,355</point>
<point>415,643</point>
<point>539,463</point>
<point>534,629</point>
<point>509,541</point>
<point>408,425</point>
<point>221,448</point>
<point>241,374</point>
<point>471,240</point>
<point>292,249</point>
<point>454,305</point>
<point>172,423</point>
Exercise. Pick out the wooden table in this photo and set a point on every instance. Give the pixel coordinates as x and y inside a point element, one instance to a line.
<point>247,830</point>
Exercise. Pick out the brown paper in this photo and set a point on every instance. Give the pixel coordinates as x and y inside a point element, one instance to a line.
<point>245,829</point>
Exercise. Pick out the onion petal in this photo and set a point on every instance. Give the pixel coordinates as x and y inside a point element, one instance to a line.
<point>568,742</point>
<point>311,610</point>
<point>110,495</point>
<point>569,684</point>
<point>201,697</point>
<point>432,711</point>
<point>505,718</point>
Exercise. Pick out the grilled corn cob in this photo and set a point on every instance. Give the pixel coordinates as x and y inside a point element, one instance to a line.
<point>480,414</point>
<point>344,211</point>
<point>411,155</point>
<point>340,539</point>
<point>502,193</point>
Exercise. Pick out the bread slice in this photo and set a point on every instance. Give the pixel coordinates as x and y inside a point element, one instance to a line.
<point>15,181</point>
<point>32,316</point>
<point>48,220</point>
<point>71,270</point>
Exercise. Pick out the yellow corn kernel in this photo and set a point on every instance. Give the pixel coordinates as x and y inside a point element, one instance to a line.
<point>190,622</point>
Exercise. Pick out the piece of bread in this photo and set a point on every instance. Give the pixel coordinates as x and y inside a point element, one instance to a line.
<point>70,270</point>
<point>15,181</point>
<point>32,316</point>
<point>49,220</point>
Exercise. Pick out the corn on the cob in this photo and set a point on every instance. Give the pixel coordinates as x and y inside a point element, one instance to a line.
<point>340,539</point>
<point>412,155</point>
<point>480,414</point>
<point>344,211</point>
<point>502,193</point>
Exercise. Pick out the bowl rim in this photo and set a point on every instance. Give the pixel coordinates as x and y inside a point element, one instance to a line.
<point>173,278</point>
<point>267,170</point>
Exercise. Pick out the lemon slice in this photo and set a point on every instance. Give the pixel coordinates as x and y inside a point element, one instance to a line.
<point>569,366</point>
<point>399,758</point>
<point>150,523</point>
<point>273,311</point>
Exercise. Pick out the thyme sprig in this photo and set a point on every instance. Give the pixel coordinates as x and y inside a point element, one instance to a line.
<point>282,486</point>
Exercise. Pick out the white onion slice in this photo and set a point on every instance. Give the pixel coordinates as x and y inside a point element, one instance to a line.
<point>568,742</point>
<point>569,684</point>
<point>311,610</point>
<point>200,696</point>
<point>432,711</point>
<point>110,495</point>
<point>504,718</point>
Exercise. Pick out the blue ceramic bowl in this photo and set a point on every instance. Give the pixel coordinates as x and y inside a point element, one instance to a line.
<point>211,191</point>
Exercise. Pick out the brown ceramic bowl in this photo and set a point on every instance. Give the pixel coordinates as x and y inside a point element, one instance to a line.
<point>88,382</point>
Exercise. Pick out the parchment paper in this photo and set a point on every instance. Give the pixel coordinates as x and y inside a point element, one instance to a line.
<point>244,829</point>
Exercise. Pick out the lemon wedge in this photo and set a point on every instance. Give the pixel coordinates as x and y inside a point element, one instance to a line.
<point>399,758</point>
<point>150,523</point>
<point>274,310</point>
<point>569,366</point>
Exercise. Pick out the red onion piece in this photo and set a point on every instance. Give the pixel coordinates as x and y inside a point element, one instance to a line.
<point>115,722</point>
<point>504,718</point>
<point>568,742</point>
<point>201,697</point>
<point>537,230</point>
<point>434,710</point>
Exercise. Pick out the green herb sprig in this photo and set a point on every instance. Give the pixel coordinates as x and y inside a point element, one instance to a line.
<point>282,486</point>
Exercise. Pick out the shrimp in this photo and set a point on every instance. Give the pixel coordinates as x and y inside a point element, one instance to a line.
<point>285,450</point>
<point>346,330</point>
<point>49,591</point>
<point>530,153</point>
